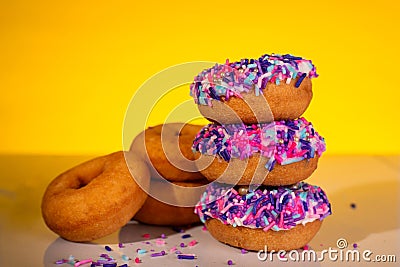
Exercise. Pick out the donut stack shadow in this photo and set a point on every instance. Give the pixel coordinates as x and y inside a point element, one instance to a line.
<point>257,152</point>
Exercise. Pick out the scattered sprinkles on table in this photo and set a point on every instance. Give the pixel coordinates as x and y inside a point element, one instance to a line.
<point>119,253</point>
<point>147,236</point>
<point>283,142</point>
<point>186,236</point>
<point>278,208</point>
<point>233,79</point>
<point>186,256</point>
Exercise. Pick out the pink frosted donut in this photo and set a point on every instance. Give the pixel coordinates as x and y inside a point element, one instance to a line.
<point>272,87</point>
<point>278,217</point>
<point>277,153</point>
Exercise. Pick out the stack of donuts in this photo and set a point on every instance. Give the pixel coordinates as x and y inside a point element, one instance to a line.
<point>250,164</point>
<point>257,152</point>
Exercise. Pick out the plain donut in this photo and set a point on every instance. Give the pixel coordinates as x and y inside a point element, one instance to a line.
<point>95,198</point>
<point>167,150</point>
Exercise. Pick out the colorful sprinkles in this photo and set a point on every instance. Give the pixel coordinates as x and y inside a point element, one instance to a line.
<point>124,254</point>
<point>276,208</point>
<point>283,142</point>
<point>233,79</point>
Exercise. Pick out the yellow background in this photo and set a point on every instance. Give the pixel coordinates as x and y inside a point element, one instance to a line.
<point>68,69</point>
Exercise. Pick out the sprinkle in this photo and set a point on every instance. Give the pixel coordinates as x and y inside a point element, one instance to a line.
<point>353,205</point>
<point>62,261</point>
<point>141,251</point>
<point>243,251</point>
<point>82,262</point>
<point>306,247</point>
<point>178,230</point>
<point>120,245</point>
<point>301,78</point>
<point>186,236</point>
<point>192,243</point>
<point>125,258</point>
<point>123,265</point>
<point>230,262</point>
<point>137,260</point>
<point>182,245</point>
<point>158,254</point>
<point>109,264</point>
<point>147,236</point>
<point>108,248</point>
<point>71,259</point>
<point>163,236</point>
<point>186,256</point>
<point>160,242</point>
<point>204,228</point>
<point>355,245</point>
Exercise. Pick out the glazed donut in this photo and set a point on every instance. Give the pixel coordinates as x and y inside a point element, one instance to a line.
<point>273,87</point>
<point>95,198</point>
<point>156,212</point>
<point>281,218</point>
<point>166,148</point>
<point>277,153</point>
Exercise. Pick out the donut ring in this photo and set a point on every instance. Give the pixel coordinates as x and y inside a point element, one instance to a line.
<point>278,153</point>
<point>155,212</point>
<point>95,198</point>
<point>281,218</point>
<point>226,172</point>
<point>166,148</point>
<point>256,239</point>
<point>270,88</point>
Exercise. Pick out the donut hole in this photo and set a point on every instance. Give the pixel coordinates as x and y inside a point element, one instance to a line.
<point>83,180</point>
<point>81,183</point>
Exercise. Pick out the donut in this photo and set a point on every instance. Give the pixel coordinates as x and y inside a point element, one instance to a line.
<point>277,153</point>
<point>156,212</point>
<point>273,87</point>
<point>166,148</point>
<point>95,198</point>
<point>280,218</point>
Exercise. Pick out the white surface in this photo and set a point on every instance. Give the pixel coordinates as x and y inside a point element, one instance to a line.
<point>208,251</point>
<point>372,183</point>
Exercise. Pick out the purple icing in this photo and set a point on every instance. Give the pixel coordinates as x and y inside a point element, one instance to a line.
<point>233,79</point>
<point>276,208</point>
<point>284,142</point>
